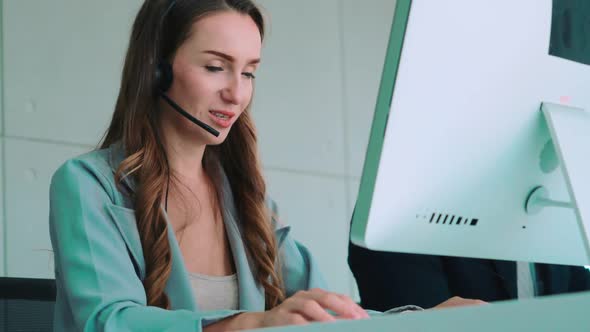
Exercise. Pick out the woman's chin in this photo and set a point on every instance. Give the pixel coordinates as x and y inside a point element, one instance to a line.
<point>212,140</point>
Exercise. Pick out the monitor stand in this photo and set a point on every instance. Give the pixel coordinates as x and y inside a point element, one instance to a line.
<point>570,132</point>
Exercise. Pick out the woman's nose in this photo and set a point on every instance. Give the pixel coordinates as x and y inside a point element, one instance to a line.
<point>234,92</point>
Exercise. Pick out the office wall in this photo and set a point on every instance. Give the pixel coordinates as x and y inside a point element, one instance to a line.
<point>316,91</point>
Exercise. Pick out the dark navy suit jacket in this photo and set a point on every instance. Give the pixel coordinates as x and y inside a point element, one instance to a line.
<point>387,280</point>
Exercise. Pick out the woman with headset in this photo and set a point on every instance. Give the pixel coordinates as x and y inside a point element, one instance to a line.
<point>167,226</point>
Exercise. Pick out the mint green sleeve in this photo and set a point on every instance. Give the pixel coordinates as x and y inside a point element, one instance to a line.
<point>299,269</point>
<point>98,288</point>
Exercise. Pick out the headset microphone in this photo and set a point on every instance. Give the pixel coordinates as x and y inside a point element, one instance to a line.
<point>164,79</point>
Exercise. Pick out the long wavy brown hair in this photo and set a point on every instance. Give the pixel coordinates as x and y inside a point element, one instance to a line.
<point>160,27</point>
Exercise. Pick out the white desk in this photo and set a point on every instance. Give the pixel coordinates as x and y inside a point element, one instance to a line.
<point>570,312</point>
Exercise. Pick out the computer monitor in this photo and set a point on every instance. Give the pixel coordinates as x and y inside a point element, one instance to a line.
<point>483,106</point>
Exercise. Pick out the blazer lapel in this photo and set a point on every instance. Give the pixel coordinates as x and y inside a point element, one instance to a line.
<point>507,272</point>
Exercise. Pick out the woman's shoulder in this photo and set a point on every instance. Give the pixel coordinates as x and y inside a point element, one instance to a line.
<point>94,167</point>
<point>96,161</point>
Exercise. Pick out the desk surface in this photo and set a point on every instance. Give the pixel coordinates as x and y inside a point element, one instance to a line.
<point>570,312</point>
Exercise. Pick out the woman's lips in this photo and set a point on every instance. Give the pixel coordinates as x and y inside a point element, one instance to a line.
<point>224,121</point>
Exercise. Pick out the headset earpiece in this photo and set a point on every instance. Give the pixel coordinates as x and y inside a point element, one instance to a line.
<point>164,76</point>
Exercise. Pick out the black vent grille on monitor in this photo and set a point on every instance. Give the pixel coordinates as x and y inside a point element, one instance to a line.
<point>450,219</point>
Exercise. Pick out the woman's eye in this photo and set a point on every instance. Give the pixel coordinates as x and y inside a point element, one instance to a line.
<point>249,75</point>
<point>213,69</point>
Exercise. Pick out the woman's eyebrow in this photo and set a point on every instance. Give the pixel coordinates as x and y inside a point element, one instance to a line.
<point>229,57</point>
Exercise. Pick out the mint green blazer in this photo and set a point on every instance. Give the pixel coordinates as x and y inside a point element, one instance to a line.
<point>99,264</point>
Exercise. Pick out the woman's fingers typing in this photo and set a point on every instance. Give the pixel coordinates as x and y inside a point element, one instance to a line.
<point>309,309</point>
<point>342,305</point>
<point>360,311</point>
<point>314,305</point>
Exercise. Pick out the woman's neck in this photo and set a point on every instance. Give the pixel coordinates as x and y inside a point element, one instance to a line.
<point>186,160</point>
<point>184,153</point>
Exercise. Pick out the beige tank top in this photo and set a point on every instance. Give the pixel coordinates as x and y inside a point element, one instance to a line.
<point>215,293</point>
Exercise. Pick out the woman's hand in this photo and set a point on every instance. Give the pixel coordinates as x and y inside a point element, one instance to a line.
<point>457,301</point>
<point>301,308</point>
<point>312,306</point>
